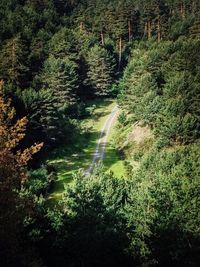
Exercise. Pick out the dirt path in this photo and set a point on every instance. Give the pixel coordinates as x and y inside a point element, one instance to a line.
<point>101,145</point>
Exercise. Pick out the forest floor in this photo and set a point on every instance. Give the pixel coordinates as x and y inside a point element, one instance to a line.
<point>83,153</point>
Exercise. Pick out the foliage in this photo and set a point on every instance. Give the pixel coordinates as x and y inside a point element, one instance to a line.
<point>11,135</point>
<point>151,218</point>
<point>59,76</point>
<point>13,174</point>
<point>38,181</point>
<point>54,57</point>
<point>161,88</point>
<point>165,190</point>
<point>100,71</point>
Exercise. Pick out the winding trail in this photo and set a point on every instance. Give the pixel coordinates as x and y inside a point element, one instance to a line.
<point>102,141</point>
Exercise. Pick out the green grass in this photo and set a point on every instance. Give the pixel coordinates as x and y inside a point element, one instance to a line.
<point>112,160</point>
<point>69,159</point>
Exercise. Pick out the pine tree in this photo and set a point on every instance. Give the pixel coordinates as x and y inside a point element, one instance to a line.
<point>63,43</point>
<point>13,56</point>
<point>101,70</point>
<point>61,79</point>
<point>38,51</point>
<point>60,83</point>
<point>49,118</point>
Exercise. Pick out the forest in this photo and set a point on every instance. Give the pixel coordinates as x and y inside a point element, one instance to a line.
<point>77,72</point>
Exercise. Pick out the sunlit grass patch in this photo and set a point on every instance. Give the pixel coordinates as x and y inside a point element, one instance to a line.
<point>112,161</point>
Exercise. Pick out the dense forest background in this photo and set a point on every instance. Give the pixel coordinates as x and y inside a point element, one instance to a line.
<point>55,56</point>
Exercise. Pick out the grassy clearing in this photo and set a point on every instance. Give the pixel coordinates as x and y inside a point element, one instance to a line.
<point>67,160</point>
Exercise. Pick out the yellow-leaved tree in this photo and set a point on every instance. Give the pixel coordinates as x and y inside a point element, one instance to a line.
<point>13,174</point>
<point>12,161</point>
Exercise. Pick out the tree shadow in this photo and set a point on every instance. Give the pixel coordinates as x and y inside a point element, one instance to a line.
<point>112,156</point>
<point>69,160</point>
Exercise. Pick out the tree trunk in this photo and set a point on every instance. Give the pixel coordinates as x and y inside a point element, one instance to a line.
<point>194,7</point>
<point>102,39</point>
<point>81,26</point>
<point>145,29</point>
<point>120,53</point>
<point>129,30</point>
<point>149,29</point>
<point>13,62</point>
<point>159,29</point>
<point>182,10</point>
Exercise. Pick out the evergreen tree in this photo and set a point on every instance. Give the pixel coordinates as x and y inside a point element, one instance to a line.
<point>60,77</point>
<point>63,43</point>
<point>100,70</point>
<point>49,118</point>
<point>38,54</point>
<point>14,57</point>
